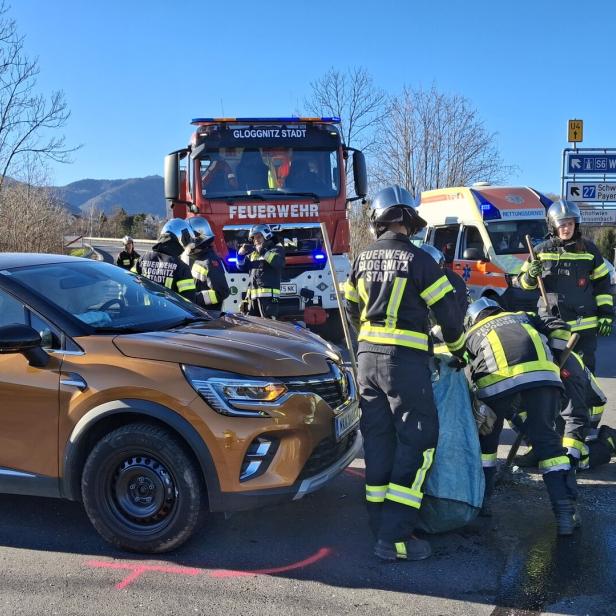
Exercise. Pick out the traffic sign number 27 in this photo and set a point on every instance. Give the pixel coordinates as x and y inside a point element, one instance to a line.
<point>589,192</point>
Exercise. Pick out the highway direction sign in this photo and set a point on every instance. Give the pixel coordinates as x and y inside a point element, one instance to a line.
<point>595,163</point>
<point>576,131</point>
<point>594,216</point>
<point>591,191</point>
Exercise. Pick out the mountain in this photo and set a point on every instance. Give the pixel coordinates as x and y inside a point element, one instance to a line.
<point>135,195</point>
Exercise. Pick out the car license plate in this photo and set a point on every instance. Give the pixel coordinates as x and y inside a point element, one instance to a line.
<point>347,420</point>
<point>288,289</point>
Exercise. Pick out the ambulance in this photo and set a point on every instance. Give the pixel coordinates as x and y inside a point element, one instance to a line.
<point>481,229</point>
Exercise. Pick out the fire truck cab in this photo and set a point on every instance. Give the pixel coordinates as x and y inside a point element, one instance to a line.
<point>287,172</point>
<point>481,231</point>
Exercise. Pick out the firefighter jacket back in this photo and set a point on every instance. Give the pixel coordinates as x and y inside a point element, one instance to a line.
<point>163,265</point>
<point>208,272</point>
<point>127,260</point>
<point>509,352</point>
<point>391,287</point>
<point>578,278</point>
<point>265,267</point>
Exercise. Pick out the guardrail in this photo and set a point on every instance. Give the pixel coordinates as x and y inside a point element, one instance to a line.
<point>115,240</point>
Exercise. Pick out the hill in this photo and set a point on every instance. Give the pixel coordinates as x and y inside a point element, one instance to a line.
<point>135,195</point>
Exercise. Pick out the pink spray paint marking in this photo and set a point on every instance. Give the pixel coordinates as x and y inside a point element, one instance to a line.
<point>356,472</point>
<point>136,569</point>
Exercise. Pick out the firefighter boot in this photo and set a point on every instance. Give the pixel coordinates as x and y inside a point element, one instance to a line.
<point>607,436</point>
<point>486,507</point>
<point>411,549</point>
<point>527,460</point>
<point>562,504</point>
<point>572,492</point>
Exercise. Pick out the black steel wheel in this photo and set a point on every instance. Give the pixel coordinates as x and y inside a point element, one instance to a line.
<point>141,490</point>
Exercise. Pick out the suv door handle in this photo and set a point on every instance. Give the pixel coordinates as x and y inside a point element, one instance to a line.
<point>72,379</point>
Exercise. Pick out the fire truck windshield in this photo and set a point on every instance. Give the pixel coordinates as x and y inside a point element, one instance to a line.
<point>508,237</point>
<point>234,172</point>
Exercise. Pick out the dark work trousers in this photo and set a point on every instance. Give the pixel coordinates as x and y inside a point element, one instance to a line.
<point>541,405</point>
<point>263,307</point>
<point>574,420</point>
<point>399,425</point>
<point>598,453</point>
<point>586,347</point>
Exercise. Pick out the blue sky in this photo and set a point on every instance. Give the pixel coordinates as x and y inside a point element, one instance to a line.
<point>135,73</point>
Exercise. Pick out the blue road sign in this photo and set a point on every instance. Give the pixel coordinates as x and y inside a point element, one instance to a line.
<point>595,164</point>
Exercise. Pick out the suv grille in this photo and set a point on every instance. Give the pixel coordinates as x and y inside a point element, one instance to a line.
<point>326,453</point>
<point>329,389</point>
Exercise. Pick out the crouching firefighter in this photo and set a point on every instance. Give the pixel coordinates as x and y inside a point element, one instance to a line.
<point>206,267</point>
<point>264,261</point>
<point>163,264</point>
<point>513,372</point>
<point>391,287</point>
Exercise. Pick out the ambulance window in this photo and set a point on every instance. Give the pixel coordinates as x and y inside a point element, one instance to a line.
<point>445,239</point>
<point>472,239</point>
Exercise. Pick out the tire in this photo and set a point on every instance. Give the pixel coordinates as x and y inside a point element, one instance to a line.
<point>140,489</point>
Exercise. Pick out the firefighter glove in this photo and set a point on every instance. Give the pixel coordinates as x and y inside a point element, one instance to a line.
<point>485,417</point>
<point>605,326</point>
<point>535,268</point>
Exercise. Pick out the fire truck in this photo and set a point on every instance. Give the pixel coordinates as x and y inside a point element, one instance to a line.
<point>289,173</point>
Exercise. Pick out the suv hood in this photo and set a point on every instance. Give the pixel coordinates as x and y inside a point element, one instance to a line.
<point>248,346</point>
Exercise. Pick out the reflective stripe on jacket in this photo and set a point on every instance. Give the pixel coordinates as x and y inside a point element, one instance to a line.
<point>509,352</point>
<point>579,280</point>
<point>209,274</point>
<point>391,287</point>
<point>264,268</point>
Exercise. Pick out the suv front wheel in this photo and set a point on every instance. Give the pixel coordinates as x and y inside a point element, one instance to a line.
<point>141,490</point>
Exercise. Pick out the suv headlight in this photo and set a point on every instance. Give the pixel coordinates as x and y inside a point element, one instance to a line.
<point>235,395</point>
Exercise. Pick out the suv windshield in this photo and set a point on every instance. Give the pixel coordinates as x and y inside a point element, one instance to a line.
<point>235,172</point>
<point>508,237</point>
<point>106,297</point>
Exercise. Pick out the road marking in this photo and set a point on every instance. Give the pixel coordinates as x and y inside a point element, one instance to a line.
<point>137,569</point>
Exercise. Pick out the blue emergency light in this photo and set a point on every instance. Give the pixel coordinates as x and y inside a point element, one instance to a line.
<point>318,256</point>
<point>488,210</point>
<point>292,119</point>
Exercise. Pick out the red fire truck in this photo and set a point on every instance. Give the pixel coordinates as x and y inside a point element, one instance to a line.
<point>287,172</point>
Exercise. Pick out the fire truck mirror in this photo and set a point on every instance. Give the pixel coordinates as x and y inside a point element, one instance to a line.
<point>172,176</point>
<point>360,177</point>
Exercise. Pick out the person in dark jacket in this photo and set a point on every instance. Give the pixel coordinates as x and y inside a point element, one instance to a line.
<point>207,267</point>
<point>460,289</point>
<point>576,279</point>
<point>391,288</point>
<point>163,264</point>
<point>264,261</point>
<point>129,256</point>
<point>511,369</point>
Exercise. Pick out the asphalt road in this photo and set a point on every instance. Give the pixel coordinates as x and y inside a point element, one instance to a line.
<point>315,556</point>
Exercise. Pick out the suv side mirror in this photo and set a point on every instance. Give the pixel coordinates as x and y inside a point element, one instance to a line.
<point>23,339</point>
<point>360,176</point>
<point>473,254</point>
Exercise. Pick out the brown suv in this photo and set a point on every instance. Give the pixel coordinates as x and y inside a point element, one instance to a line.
<point>121,394</point>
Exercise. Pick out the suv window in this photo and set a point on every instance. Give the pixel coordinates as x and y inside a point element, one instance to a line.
<point>11,310</point>
<point>49,335</point>
<point>471,238</point>
<point>445,239</point>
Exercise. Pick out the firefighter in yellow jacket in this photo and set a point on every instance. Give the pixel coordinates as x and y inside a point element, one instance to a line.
<point>392,286</point>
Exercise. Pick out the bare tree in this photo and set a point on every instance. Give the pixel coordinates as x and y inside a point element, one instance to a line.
<point>352,96</point>
<point>429,140</point>
<point>28,120</point>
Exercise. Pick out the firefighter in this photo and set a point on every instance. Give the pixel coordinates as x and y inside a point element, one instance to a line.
<point>129,256</point>
<point>512,371</point>
<point>392,286</point>
<point>264,260</point>
<point>581,408</point>
<point>457,282</point>
<point>207,268</point>
<point>576,278</point>
<point>163,264</point>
